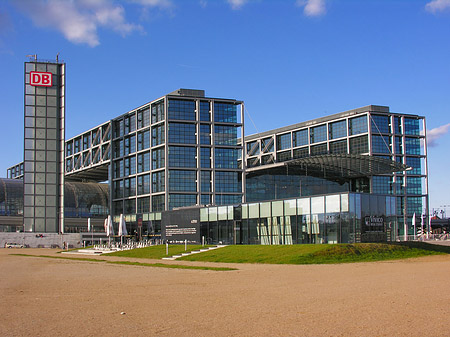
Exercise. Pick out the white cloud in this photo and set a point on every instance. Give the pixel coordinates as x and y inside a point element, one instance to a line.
<point>79,20</point>
<point>237,4</point>
<point>312,7</point>
<point>434,134</point>
<point>437,5</point>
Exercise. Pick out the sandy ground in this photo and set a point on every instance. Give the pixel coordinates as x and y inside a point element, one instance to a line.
<point>49,297</point>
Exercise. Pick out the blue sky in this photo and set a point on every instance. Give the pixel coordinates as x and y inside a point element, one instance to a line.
<point>290,61</point>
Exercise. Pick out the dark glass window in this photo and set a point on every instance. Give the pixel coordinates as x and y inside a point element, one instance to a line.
<point>143,184</point>
<point>130,123</point>
<point>181,200</point>
<point>357,125</point>
<point>382,185</point>
<point>86,141</point>
<point>302,152</point>
<point>412,126</point>
<point>118,128</point>
<point>118,189</point>
<point>226,158</point>
<point>228,182</point>
<point>205,134</point>
<point>359,145</point>
<point>253,148</point>
<point>225,112</point>
<point>381,144</point>
<point>337,129</point>
<point>284,156</point>
<point>130,145</point>
<point>182,156</point>
<point>129,165</point>
<point>398,125</point>
<point>157,112</point>
<point>77,146</point>
<point>300,137</point>
<point>182,181</point>
<point>182,133</point>
<point>143,162</point>
<point>413,185</point>
<point>205,178</point>
<point>414,162</point>
<point>158,157</point>
<point>318,134</point>
<point>69,149</point>
<point>143,205</point>
<point>205,157</point>
<point>380,124</point>
<point>157,135</point>
<point>181,109</point>
<point>267,145</point>
<point>412,145</point>
<point>268,159</point>
<point>225,135</point>
<point>158,182</point>
<point>338,147</point>
<point>158,203</point>
<point>204,112</point>
<point>398,145</point>
<point>130,206</point>
<point>319,149</point>
<point>118,148</point>
<point>414,205</point>
<point>227,199</point>
<point>205,199</point>
<point>129,187</point>
<point>143,118</point>
<point>284,142</point>
<point>143,140</point>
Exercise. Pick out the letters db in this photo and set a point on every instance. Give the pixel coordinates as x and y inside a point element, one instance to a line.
<point>41,79</point>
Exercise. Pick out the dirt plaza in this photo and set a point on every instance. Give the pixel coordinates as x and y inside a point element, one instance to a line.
<point>54,297</point>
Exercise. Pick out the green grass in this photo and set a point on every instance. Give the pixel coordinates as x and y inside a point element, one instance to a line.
<point>319,254</point>
<point>155,252</point>
<point>130,263</point>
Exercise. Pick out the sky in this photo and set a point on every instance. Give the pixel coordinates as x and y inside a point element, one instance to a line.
<point>290,61</point>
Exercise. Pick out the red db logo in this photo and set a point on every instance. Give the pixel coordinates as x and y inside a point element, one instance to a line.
<point>40,79</point>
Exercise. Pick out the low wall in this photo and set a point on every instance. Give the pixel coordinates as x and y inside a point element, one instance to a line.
<point>41,240</point>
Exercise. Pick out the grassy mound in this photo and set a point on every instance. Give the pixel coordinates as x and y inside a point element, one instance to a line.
<point>319,254</point>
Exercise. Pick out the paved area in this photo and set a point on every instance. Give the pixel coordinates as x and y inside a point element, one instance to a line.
<point>53,297</point>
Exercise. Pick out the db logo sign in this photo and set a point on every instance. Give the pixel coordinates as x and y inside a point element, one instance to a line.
<point>41,79</point>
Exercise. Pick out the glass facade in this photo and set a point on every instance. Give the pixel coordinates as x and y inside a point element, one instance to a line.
<point>335,218</point>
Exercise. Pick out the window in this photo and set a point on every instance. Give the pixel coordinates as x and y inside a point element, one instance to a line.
<point>205,180</point>
<point>225,112</point>
<point>300,138</point>
<point>182,133</point>
<point>130,145</point>
<point>359,145</point>
<point>181,200</point>
<point>412,126</point>
<point>253,148</point>
<point>337,129</point>
<point>205,157</point>
<point>302,152</point>
<point>158,182</point>
<point>182,109</point>
<point>143,140</point>
<point>381,144</point>
<point>318,134</point>
<point>129,166</point>
<point>182,181</point>
<point>158,203</point>
<point>415,163</point>
<point>284,156</point>
<point>226,158</point>
<point>357,125</point>
<point>228,182</point>
<point>157,135</point>
<point>338,147</point>
<point>382,185</point>
<point>182,156</point>
<point>225,135</point>
<point>413,185</point>
<point>129,123</point>
<point>412,145</point>
<point>380,124</point>
<point>204,112</point>
<point>319,149</point>
<point>267,145</point>
<point>284,142</point>
<point>398,125</point>
<point>158,157</point>
<point>143,205</point>
<point>129,187</point>
<point>143,118</point>
<point>157,112</point>
<point>398,145</point>
<point>143,184</point>
<point>143,162</point>
<point>205,134</point>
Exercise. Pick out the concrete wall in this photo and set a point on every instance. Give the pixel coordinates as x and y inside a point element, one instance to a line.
<point>34,240</point>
